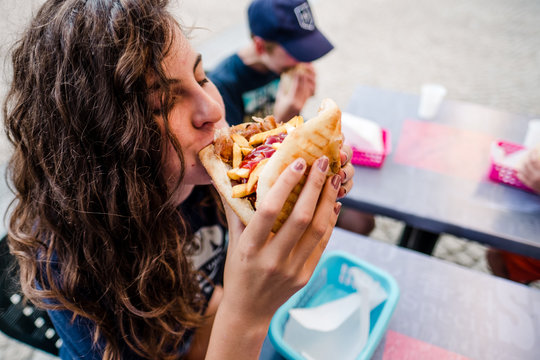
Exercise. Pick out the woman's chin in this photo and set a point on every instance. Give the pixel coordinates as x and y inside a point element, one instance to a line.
<point>206,181</point>
<point>201,178</point>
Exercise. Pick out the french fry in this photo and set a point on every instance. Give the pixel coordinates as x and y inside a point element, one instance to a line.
<point>260,137</point>
<point>237,156</point>
<point>240,140</point>
<point>246,150</point>
<point>238,173</point>
<point>296,121</point>
<point>289,128</point>
<point>239,191</point>
<point>254,176</point>
<point>276,145</point>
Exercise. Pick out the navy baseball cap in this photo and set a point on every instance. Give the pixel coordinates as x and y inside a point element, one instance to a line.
<point>290,23</point>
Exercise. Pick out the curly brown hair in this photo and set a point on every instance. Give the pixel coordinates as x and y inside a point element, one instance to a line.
<point>93,227</point>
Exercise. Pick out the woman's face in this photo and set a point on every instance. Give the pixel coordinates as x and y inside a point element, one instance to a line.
<point>197,109</point>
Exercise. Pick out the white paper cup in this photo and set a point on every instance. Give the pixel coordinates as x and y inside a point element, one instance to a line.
<point>532,138</point>
<point>430,100</point>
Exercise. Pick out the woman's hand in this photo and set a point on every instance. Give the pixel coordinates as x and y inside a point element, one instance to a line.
<point>530,171</point>
<point>264,269</point>
<point>347,171</point>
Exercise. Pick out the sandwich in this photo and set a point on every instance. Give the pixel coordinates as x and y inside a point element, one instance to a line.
<point>245,160</point>
<point>287,77</point>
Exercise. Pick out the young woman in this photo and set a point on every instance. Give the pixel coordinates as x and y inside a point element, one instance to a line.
<point>115,228</point>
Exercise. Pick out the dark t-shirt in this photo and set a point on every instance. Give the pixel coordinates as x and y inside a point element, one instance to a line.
<point>209,235</point>
<point>245,91</point>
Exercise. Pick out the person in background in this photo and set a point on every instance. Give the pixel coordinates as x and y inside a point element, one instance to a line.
<point>284,39</point>
<point>512,266</point>
<point>115,226</point>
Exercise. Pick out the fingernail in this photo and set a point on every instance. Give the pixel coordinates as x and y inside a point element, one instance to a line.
<point>336,181</point>
<point>337,208</point>
<point>323,164</point>
<point>299,164</point>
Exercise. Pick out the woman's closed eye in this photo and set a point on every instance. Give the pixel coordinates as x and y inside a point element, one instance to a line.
<point>203,81</point>
<point>165,105</point>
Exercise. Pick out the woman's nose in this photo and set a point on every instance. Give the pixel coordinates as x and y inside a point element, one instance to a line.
<point>209,108</point>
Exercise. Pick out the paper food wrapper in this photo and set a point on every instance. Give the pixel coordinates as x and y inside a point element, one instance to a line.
<point>338,329</point>
<point>514,160</point>
<point>363,134</point>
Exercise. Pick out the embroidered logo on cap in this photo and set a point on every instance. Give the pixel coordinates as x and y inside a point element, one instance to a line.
<point>305,19</point>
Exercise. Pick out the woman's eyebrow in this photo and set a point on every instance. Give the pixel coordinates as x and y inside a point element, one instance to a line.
<point>154,87</point>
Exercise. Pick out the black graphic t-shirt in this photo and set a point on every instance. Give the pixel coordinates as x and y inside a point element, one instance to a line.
<point>209,238</point>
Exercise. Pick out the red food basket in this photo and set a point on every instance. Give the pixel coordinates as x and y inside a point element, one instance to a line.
<point>504,174</point>
<point>372,158</point>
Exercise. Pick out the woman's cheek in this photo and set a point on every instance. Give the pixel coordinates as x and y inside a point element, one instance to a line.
<point>171,165</point>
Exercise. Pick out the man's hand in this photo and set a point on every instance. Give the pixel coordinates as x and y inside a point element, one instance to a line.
<point>530,171</point>
<point>293,94</point>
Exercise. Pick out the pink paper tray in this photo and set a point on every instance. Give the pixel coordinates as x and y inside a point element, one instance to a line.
<point>372,159</point>
<point>503,174</point>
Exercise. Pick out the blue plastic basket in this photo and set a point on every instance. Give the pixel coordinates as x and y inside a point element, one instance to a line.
<point>331,281</point>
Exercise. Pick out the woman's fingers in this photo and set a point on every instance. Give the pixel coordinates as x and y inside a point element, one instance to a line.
<point>271,206</point>
<point>344,190</point>
<point>345,154</point>
<point>324,219</point>
<point>347,170</point>
<point>347,174</point>
<point>304,208</point>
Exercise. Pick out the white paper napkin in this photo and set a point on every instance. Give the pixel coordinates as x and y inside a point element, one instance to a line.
<point>362,133</point>
<point>338,329</point>
<point>513,161</point>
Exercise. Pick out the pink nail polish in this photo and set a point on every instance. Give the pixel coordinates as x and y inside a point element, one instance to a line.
<point>323,164</point>
<point>299,164</point>
<point>336,181</point>
<point>337,208</point>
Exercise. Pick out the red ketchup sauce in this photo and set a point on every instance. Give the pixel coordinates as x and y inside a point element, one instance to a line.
<point>262,151</point>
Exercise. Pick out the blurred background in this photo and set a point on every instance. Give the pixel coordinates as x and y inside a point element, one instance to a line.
<point>483,51</point>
